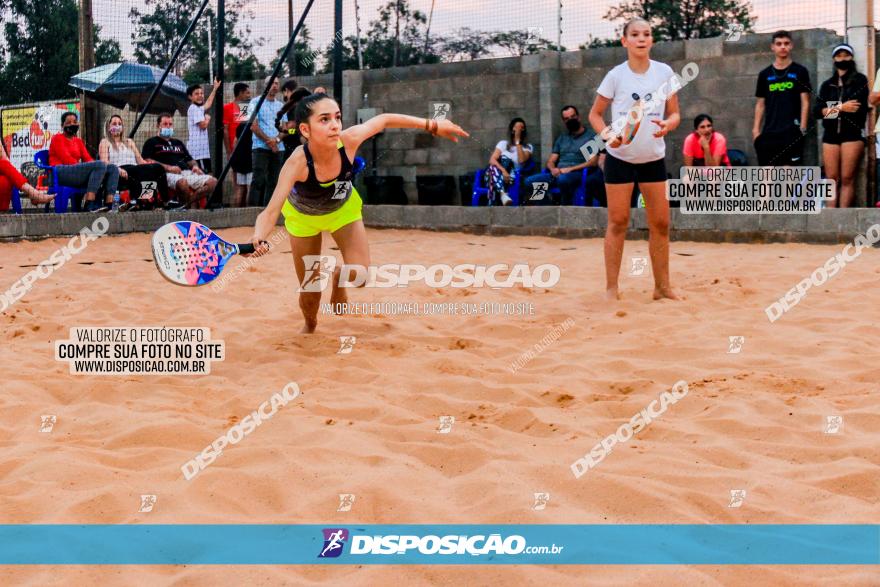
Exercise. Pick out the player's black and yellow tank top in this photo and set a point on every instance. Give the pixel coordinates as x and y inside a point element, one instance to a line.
<point>315,197</point>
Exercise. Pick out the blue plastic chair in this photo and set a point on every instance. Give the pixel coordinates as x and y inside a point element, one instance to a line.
<point>480,191</point>
<point>63,194</point>
<point>16,201</point>
<point>580,195</point>
<point>358,165</point>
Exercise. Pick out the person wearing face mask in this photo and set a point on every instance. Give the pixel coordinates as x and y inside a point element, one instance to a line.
<point>145,182</point>
<point>76,168</point>
<point>842,104</point>
<point>182,172</point>
<point>566,164</point>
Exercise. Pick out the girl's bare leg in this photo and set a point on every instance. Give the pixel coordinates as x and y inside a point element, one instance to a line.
<point>615,234</point>
<point>850,155</point>
<point>309,301</point>
<point>355,249</point>
<point>831,159</point>
<point>658,237</point>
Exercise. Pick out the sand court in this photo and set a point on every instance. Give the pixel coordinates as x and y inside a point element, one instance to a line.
<point>528,397</point>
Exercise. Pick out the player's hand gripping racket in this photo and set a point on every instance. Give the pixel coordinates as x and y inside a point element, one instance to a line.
<point>189,253</point>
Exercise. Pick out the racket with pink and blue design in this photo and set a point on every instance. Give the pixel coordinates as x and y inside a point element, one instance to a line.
<point>189,253</point>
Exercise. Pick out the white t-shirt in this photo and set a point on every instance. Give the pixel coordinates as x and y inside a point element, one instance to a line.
<point>630,93</point>
<point>197,145</point>
<point>510,151</point>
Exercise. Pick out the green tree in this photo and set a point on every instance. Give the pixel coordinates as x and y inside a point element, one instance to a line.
<point>42,50</point>
<point>673,20</point>
<point>519,43</point>
<point>395,38</point>
<point>465,44</point>
<point>106,50</point>
<point>157,33</point>
<point>301,59</point>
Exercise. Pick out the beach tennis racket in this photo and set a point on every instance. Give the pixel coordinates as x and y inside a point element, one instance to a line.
<point>189,253</point>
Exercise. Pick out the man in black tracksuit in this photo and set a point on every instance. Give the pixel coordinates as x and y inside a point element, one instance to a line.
<point>783,93</point>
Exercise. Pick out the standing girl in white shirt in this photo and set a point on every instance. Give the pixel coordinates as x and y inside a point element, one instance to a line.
<point>644,109</point>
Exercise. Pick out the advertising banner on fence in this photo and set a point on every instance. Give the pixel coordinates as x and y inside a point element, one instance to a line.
<point>29,128</point>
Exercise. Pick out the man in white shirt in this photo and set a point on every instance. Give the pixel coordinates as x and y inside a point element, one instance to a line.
<point>267,150</point>
<point>197,124</point>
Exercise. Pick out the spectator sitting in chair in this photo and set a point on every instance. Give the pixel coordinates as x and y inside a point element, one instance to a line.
<point>11,178</point>
<point>567,162</point>
<point>705,146</point>
<point>509,155</point>
<point>146,183</point>
<point>76,168</point>
<point>182,171</point>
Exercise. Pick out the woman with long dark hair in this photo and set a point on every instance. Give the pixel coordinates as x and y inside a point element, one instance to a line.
<point>705,146</point>
<point>509,155</point>
<point>315,193</point>
<point>843,122</point>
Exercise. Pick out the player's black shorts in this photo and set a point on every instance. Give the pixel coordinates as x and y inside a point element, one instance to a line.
<point>848,133</point>
<point>619,171</point>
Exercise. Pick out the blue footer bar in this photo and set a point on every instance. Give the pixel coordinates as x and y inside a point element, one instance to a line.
<point>733,544</point>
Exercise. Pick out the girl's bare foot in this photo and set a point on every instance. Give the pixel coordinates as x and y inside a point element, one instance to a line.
<point>612,293</point>
<point>666,292</point>
<point>309,327</point>
<point>37,196</point>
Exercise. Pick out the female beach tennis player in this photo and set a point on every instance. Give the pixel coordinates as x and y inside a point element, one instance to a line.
<point>644,109</point>
<point>315,192</point>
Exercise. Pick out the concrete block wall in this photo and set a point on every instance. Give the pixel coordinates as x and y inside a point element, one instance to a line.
<point>485,94</point>
<point>830,226</point>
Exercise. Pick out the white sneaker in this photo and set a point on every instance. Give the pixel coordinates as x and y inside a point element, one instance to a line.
<point>505,199</point>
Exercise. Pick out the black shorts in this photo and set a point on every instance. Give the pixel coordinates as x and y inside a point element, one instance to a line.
<point>619,171</point>
<point>848,134</point>
<point>780,147</point>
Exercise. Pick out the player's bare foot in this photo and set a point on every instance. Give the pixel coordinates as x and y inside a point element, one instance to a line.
<point>667,293</point>
<point>613,293</point>
<point>308,305</point>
